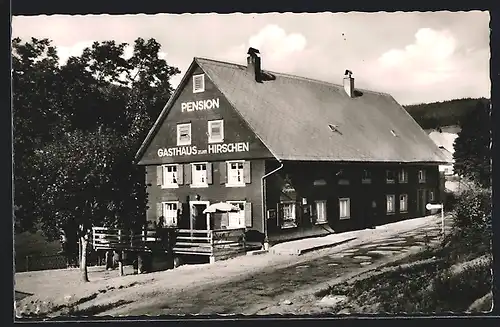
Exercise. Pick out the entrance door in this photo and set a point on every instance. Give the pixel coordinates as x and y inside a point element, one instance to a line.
<point>421,202</point>
<point>198,220</point>
<point>367,218</point>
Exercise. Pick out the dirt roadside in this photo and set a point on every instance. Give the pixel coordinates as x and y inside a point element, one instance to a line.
<point>153,293</point>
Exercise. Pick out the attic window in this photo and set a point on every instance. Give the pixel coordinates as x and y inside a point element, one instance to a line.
<point>393,133</point>
<point>198,83</point>
<point>334,128</point>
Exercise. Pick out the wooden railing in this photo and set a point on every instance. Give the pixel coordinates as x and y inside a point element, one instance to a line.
<point>191,241</point>
<point>221,243</point>
<point>104,238</point>
<point>228,242</point>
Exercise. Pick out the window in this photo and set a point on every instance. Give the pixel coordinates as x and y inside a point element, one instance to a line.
<point>235,173</point>
<point>237,219</point>
<point>289,217</point>
<point>199,175</point>
<point>169,176</point>
<point>198,83</point>
<point>320,212</point>
<point>390,177</point>
<point>390,204</point>
<point>421,176</point>
<point>344,208</point>
<point>403,176</point>
<point>183,134</point>
<point>170,213</point>
<point>367,177</point>
<point>215,131</point>
<point>403,203</point>
<point>431,196</point>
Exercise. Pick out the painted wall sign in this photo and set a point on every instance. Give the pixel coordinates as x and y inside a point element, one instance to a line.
<point>228,147</point>
<point>178,151</point>
<point>200,105</point>
<point>212,149</point>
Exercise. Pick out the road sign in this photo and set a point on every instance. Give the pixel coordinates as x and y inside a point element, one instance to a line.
<point>431,206</point>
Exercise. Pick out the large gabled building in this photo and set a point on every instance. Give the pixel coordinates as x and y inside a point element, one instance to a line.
<point>300,157</point>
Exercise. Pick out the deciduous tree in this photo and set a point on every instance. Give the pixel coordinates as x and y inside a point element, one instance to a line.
<point>77,128</point>
<point>472,146</point>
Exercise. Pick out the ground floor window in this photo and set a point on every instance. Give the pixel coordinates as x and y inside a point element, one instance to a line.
<point>344,208</point>
<point>237,219</point>
<point>170,213</point>
<point>403,203</point>
<point>390,203</point>
<point>320,212</point>
<point>431,196</point>
<point>288,211</point>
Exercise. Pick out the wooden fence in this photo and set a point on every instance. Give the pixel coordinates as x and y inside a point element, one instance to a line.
<point>217,244</point>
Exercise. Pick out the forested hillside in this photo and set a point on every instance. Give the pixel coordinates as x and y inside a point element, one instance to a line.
<point>445,113</point>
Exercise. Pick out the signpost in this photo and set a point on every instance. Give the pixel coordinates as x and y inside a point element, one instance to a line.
<point>431,206</point>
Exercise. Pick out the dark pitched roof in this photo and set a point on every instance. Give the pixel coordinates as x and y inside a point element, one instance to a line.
<point>304,119</point>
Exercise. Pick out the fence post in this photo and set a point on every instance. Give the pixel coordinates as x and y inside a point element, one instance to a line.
<point>120,256</point>
<point>442,219</point>
<point>244,241</point>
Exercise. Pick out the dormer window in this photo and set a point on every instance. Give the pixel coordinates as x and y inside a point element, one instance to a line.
<point>198,83</point>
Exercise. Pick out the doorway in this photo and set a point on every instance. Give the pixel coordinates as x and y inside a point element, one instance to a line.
<point>421,202</point>
<point>368,217</point>
<point>198,220</point>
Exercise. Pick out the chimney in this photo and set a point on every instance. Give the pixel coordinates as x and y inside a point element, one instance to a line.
<point>349,83</point>
<point>254,64</point>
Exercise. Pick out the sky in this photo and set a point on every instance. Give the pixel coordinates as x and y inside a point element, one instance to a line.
<point>417,57</point>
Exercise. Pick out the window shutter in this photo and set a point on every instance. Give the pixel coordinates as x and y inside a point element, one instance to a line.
<point>187,174</point>
<point>209,173</point>
<point>248,214</point>
<point>159,175</point>
<point>180,174</point>
<point>159,211</point>
<point>247,176</point>
<point>178,213</point>
<point>179,208</point>
<point>223,172</point>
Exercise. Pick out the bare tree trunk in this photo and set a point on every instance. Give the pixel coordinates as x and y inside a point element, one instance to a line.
<point>120,262</point>
<point>83,258</point>
<point>80,252</point>
<point>109,260</point>
<point>140,263</point>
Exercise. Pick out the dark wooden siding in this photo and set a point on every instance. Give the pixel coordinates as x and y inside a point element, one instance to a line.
<point>235,129</point>
<point>215,192</point>
<point>361,195</point>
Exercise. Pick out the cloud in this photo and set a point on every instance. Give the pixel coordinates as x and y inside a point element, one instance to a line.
<point>429,58</point>
<point>280,51</point>
<point>64,52</point>
<point>434,65</point>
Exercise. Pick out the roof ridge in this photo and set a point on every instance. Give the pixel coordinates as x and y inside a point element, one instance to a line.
<point>290,75</point>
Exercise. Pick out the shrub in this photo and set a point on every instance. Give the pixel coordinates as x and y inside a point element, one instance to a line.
<point>472,217</point>
<point>455,292</point>
<point>449,201</point>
